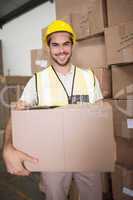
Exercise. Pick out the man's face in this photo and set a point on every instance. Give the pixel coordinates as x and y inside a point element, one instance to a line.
<point>60,48</point>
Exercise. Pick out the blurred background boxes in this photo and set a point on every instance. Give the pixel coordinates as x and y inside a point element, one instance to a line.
<point>90,52</point>
<point>119,43</point>
<point>122,90</point>
<point>123,118</point>
<point>122,182</point>
<point>104,77</point>
<point>124,152</point>
<point>39,59</point>
<point>122,81</point>
<point>91,21</point>
<point>15,86</point>
<point>11,88</point>
<point>119,11</point>
<point>88,17</point>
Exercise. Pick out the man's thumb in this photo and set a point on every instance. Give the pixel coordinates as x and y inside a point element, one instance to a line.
<point>30,158</point>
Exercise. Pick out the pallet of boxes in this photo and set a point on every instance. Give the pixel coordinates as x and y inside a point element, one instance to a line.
<point>119,44</point>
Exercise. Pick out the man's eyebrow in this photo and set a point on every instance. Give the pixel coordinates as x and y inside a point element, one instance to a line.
<point>54,43</point>
<point>67,42</point>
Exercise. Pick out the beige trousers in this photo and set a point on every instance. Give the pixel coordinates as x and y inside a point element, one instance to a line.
<point>57,185</point>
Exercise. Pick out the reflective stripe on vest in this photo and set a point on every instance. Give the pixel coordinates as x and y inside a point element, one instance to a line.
<point>51,92</point>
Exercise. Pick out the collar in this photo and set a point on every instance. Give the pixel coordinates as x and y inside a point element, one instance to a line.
<point>71,71</point>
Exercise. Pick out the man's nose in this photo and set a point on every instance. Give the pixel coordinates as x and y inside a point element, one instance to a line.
<point>61,49</point>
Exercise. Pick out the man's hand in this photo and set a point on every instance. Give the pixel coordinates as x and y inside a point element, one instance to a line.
<point>13,158</point>
<point>21,105</point>
<point>14,161</point>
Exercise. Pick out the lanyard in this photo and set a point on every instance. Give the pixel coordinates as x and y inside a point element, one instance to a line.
<point>72,87</point>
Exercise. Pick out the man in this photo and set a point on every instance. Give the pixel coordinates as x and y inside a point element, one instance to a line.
<point>59,84</point>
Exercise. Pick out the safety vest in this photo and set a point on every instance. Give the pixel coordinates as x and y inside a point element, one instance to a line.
<point>50,90</point>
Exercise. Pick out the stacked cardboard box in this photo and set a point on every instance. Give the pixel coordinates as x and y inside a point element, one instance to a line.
<point>122,87</point>
<point>122,82</point>
<point>119,43</point>
<point>119,50</point>
<point>39,59</point>
<point>122,180</point>
<point>10,90</point>
<point>120,11</point>
<point>90,15</point>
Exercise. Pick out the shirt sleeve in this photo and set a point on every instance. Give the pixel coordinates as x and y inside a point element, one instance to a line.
<point>29,93</point>
<point>97,90</point>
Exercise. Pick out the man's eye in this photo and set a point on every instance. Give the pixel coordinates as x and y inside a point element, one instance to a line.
<point>54,44</point>
<point>67,44</point>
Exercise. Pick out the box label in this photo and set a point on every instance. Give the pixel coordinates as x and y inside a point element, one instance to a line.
<point>130,123</point>
<point>128,191</point>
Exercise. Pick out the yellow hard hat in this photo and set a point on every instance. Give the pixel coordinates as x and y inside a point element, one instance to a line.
<point>57,26</point>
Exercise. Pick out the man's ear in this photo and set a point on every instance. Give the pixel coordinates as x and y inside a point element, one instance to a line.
<point>74,46</point>
<point>47,48</point>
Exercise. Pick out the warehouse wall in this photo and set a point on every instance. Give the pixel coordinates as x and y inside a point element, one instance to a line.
<point>23,34</point>
<point>0,34</point>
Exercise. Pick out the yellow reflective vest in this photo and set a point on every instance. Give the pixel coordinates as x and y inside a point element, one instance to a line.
<point>50,90</point>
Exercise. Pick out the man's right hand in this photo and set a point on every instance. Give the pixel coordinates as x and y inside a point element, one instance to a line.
<point>14,161</point>
<point>13,158</point>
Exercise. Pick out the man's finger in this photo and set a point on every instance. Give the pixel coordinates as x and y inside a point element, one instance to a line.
<point>30,158</point>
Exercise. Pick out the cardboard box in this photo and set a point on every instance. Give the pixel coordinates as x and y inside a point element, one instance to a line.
<point>119,43</point>
<point>122,183</point>
<point>122,82</point>
<point>88,18</point>
<point>124,150</point>
<point>39,59</point>
<point>67,138</point>
<point>123,118</point>
<point>90,53</point>
<point>17,80</point>
<point>91,21</point>
<point>119,11</point>
<point>64,8</point>
<point>104,77</point>
<point>15,86</point>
